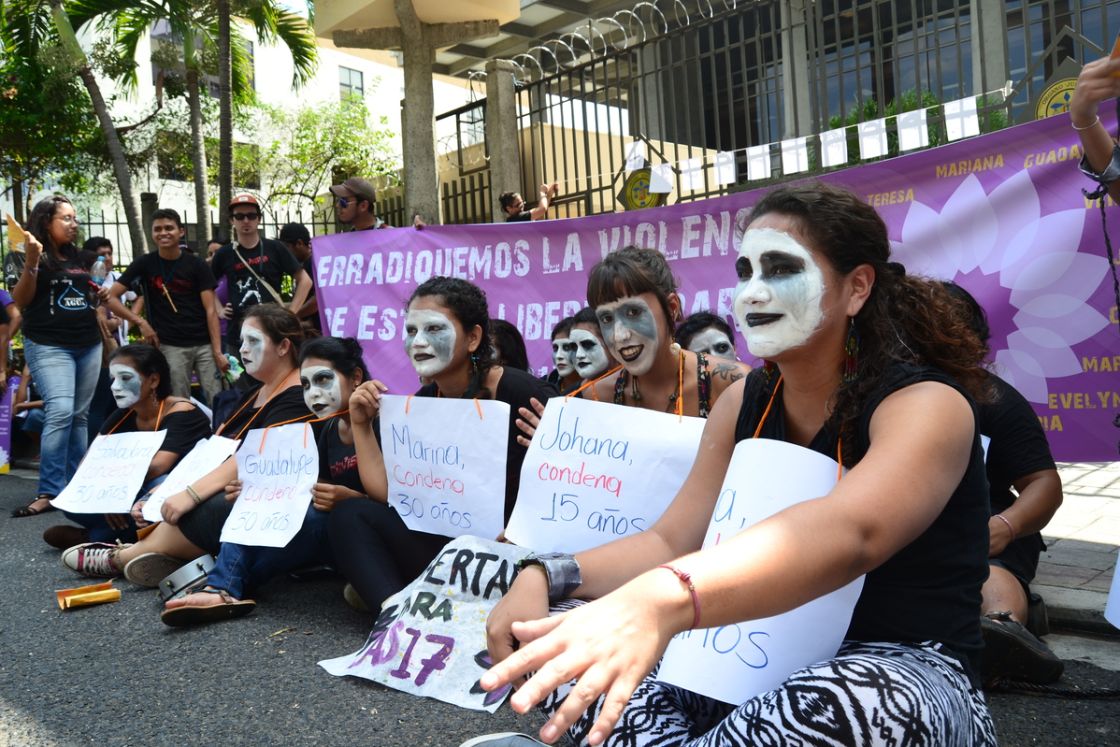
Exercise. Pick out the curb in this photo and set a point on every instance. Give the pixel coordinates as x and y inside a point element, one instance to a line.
<point>1076,610</point>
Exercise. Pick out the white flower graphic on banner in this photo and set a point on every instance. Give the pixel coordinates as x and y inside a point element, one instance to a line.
<point>1023,267</point>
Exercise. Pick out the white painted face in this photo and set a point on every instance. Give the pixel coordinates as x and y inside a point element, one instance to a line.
<point>429,340</point>
<point>253,344</point>
<point>714,343</point>
<point>629,329</point>
<point>322,389</point>
<point>591,358</point>
<point>778,298</point>
<point>563,354</point>
<point>125,383</point>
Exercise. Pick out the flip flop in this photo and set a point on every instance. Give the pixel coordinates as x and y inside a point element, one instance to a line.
<point>226,608</point>
<point>25,511</point>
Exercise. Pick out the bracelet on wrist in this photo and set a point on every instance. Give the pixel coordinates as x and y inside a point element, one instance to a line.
<point>1089,126</point>
<point>1105,176</point>
<point>194,495</point>
<point>561,570</point>
<point>686,579</point>
<point>1010,527</point>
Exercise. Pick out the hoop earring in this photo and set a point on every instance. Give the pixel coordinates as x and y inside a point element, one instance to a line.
<point>851,353</point>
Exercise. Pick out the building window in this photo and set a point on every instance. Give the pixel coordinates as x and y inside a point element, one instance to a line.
<point>350,83</point>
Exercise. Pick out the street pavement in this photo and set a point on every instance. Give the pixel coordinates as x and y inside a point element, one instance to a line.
<point>114,675</point>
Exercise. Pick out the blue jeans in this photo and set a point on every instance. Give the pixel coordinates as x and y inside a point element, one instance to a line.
<point>99,529</point>
<point>241,567</point>
<point>65,377</point>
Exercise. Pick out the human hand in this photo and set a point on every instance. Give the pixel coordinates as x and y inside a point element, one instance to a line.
<point>365,402</point>
<point>527,599</point>
<point>325,495</point>
<point>1098,81</point>
<point>226,311</point>
<point>112,325</point>
<point>148,333</point>
<point>103,294</point>
<point>999,536</point>
<point>233,489</point>
<point>32,248</point>
<point>605,645</point>
<point>138,513</point>
<point>220,362</point>
<point>117,521</point>
<point>176,507</point>
<point>529,420</point>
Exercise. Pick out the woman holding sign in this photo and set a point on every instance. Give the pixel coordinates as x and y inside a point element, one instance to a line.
<point>141,387</point>
<point>330,369</point>
<point>270,341</point>
<point>62,341</point>
<point>858,354</point>
<point>447,340</point>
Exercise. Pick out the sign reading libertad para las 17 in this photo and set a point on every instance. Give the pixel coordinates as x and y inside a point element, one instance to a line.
<point>445,460</point>
<point>596,471</point>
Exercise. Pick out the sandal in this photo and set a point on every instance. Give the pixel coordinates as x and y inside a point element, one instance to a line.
<point>30,510</point>
<point>188,613</point>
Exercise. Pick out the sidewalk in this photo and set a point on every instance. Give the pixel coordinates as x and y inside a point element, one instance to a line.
<point>1075,573</point>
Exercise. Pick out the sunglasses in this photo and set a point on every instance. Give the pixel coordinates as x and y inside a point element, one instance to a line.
<point>344,202</point>
<point>245,216</point>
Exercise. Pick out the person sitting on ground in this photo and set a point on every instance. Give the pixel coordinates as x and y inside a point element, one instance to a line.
<point>1018,457</point>
<point>141,387</point>
<point>589,355</point>
<point>563,376</point>
<point>447,340</point>
<point>27,407</point>
<point>508,345</point>
<point>859,352</point>
<point>515,209</point>
<point>193,518</point>
<point>330,370</point>
<point>1099,81</point>
<point>704,332</point>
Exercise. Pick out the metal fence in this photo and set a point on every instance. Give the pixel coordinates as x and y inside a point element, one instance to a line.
<point>727,77</point>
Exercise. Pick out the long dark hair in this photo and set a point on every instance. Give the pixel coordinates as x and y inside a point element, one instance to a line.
<point>148,361</point>
<point>38,223</point>
<point>343,353</point>
<point>630,272</point>
<point>280,324</point>
<point>509,345</point>
<point>468,303</point>
<point>905,319</point>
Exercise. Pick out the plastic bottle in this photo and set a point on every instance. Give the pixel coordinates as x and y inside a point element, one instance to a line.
<point>99,271</point>
<point>235,369</point>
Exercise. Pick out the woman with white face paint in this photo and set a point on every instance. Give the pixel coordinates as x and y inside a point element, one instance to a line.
<point>858,353</point>
<point>563,375</point>
<point>141,387</point>
<point>446,337</point>
<point>591,357</point>
<point>330,370</point>
<point>704,332</point>
<point>192,519</point>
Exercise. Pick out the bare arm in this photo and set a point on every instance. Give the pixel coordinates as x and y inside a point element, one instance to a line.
<point>303,287</point>
<point>1040,496</point>
<point>15,319</point>
<point>548,193</point>
<point>118,308</point>
<point>214,329</point>
<point>365,403</point>
<point>207,486</point>
<point>24,290</point>
<point>1095,84</point>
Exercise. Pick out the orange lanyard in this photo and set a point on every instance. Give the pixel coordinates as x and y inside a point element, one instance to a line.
<point>766,413</point>
<point>159,417</point>
<point>592,383</point>
<point>678,406</point>
<point>297,420</point>
<point>245,404</point>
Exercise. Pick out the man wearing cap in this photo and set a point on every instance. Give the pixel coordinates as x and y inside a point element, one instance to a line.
<point>255,267</point>
<point>297,238</point>
<point>354,201</point>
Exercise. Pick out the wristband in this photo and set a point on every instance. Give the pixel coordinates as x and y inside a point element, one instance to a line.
<point>1089,126</point>
<point>1107,175</point>
<point>560,569</point>
<point>1010,528</point>
<point>194,495</point>
<point>686,579</point>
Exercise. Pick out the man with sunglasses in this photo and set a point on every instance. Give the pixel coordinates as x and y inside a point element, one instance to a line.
<point>255,267</point>
<point>515,209</point>
<point>354,202</point>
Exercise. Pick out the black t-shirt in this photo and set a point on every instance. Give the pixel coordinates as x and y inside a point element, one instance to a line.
<point>521,217</point>
<point>287,405</point>
<point>338,462</point>
<point>930,589</point>
<point>1018,446</point>
<point>184,429</point>
<point>61,312</point>
<point>184,323</point>
<point>515,388</point>
<point>312,319</point>
<point>269,259</point>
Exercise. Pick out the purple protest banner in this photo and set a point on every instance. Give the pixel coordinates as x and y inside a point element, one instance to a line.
<point>1002,214</point>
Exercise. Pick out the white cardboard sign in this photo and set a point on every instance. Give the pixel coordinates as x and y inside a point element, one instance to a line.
<point>277,467</point>
<point>111,473</point>
<point>445,460</point>
<point>736,662</point>
<point>596,471</point>
<point>206,456</point>
<point>430,638</point>
<point>1112,606</point>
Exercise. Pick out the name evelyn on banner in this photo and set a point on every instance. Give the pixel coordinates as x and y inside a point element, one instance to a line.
<point>1001,214</point>
<point>445,460</point>
<point>736,662</point>
<point>430,638</point>
<point>595,472</point>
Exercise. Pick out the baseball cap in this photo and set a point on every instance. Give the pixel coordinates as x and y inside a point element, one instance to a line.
<point>245,199</point>
<point>358,187</point>
<point>295,232</point>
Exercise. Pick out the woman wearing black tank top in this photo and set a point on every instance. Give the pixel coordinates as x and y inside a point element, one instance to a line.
<point>858,354</point>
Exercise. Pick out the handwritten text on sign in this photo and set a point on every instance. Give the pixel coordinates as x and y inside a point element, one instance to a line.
<point>111,473</point>
<point>276,483</point>
<point>595,472</point>
<point>733,663</point>
<point>445,460</point>
<point>204,457</point>
<point>430,638</point>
